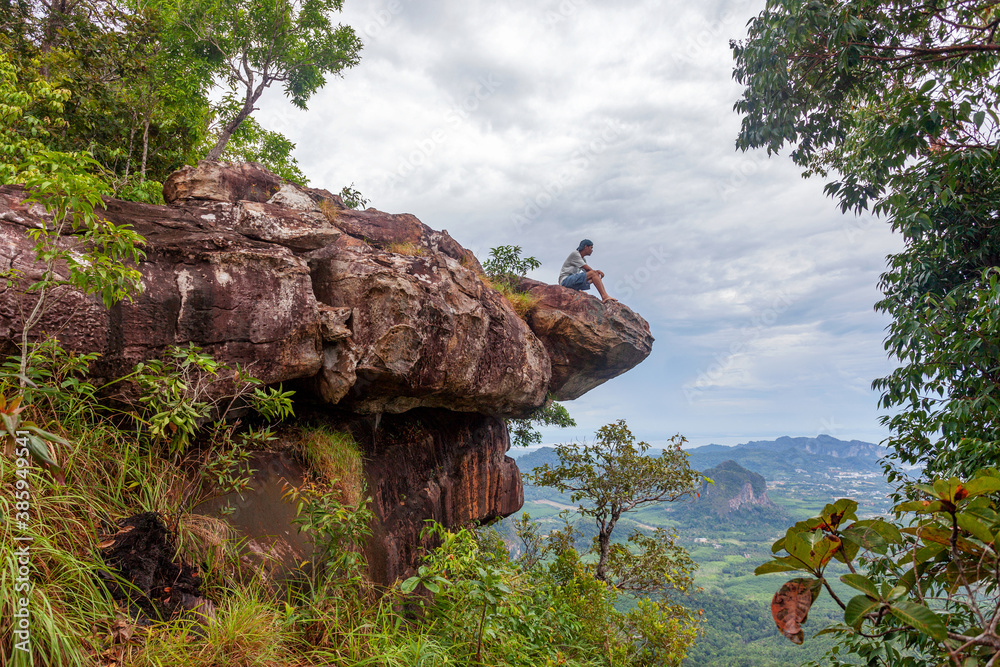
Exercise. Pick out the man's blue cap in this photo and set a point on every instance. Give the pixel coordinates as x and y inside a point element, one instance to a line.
<point>583,244</point>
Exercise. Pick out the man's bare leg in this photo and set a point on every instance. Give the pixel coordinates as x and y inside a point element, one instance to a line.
<point>595,279</point>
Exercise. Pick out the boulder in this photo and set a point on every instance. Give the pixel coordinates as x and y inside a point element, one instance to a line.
<point>588,341</point>
<point>375,311</point>
<point>427,332</point>
<point>221,181</point>
<point>378,321</point>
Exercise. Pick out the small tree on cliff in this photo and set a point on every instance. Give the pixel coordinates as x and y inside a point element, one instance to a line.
<point>293,42</point>
<point>613,476</point>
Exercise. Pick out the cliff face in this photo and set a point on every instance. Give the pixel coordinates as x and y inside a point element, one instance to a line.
<point>375,319</point>
<point>734,488</point>
<point>746,496</point>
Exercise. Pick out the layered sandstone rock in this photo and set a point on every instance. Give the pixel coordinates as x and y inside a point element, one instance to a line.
<point>589,342</point>
<point>371,316</point>
<point>376,312</point>
<point>457,473</point>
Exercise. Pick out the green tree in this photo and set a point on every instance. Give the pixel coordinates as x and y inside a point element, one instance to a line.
<point>292,42</point>
<point>924,583</point>
<point>505,266</point>
<point>523,432</point>
<point>139,85</point>
<point>899,104</point>
<point>352,198</point>
<point>614,476</point>
<point>97,257</point>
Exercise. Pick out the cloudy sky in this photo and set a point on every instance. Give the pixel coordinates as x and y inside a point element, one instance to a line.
<point>538,123</point>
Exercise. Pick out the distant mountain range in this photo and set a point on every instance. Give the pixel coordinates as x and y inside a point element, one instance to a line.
<point>784,458</point>
<point>788,457</point>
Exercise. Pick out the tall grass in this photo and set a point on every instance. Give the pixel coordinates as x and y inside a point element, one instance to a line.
<point>520,302</point>
<point>249,631</point>
<point>70,611</point>
<point>334,457</point>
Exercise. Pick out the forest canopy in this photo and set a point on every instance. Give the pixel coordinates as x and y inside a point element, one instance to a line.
<point>146,87</point>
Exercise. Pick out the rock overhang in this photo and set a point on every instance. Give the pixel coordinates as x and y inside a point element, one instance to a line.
<point>365,313</point>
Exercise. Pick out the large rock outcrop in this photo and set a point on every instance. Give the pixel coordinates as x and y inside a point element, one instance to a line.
<point>375,316</point>
<point>378,312</point>
<point>589,342</point>
<point>457,473</point>
<point>733,488</point>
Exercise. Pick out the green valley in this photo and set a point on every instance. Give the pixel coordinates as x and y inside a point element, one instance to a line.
<point>790,479</point>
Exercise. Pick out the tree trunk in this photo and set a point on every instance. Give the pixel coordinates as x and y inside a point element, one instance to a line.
<point>145,146</point>
<point>128,160</point>
<point>231,127</point>
<point>604,543</point>
<point>220,145</point>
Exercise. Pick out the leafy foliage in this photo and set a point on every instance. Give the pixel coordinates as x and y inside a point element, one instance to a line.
<point>613,476</point>
<point>926,577</point>
<point>74,247</point>
<point>338,529</point>
<point>352,198</point>
<point>190,388</point>
<point>901,105</point>
<point>139,88</point>
<point>135,78</point>
<point>523,432</point>
<point>505,266</point>
<point>30,110</point>
<point>290,42</point>
<point>530,612</point>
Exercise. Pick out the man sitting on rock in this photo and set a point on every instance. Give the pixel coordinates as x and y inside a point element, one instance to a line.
<point>577,275</point>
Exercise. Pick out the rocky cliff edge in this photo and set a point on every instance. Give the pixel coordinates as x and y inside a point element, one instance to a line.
<point>364,312</point>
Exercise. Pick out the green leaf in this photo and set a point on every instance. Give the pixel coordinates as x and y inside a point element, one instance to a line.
<point>40,451</point>
<point>835,514</point>
<point>410,584</point>
<point>866,537</point>
<point>858,607</point>
<point>920,618</point>
<point>861,583</point>
<point>778,565</point>
<point>977,528</point>
<point>800,546</point>
<point>981,485</point>
<point>921,506</point>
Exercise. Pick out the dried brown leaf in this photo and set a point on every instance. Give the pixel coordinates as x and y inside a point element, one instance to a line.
<point>790,606</point>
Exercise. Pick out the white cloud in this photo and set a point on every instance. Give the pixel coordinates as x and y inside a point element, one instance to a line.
<point>540,123</point>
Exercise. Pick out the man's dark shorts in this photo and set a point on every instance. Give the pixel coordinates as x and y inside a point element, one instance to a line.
<point>577,281</point>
